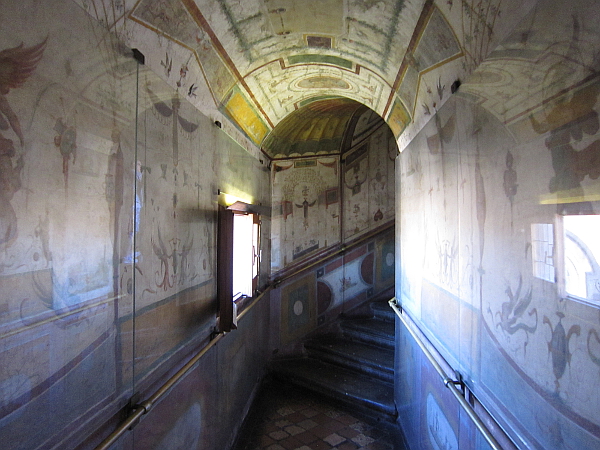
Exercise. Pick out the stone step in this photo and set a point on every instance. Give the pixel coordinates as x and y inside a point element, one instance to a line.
<point>370,331</point>
<point>357,390</point>
<point>383,311</point>
<point>366,358</point>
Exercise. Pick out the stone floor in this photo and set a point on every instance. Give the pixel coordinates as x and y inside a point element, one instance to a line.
<point>284,417</point>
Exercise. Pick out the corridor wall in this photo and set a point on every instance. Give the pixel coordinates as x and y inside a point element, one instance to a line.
<point>484,195</point>
<point>321,203</point>
<point>108,200</point>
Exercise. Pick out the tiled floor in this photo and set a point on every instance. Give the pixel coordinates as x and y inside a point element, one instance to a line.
<point>284,417</point>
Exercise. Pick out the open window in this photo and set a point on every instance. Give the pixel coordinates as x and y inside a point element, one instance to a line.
<point>568,253</point>
<point>238,259</point>
<point>246,254</point>
<point>581,254</point>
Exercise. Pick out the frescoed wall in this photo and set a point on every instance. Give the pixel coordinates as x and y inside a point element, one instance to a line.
<point>259,61</point>
<point>306,208</point>
<point>320,202</point>
<point>368,177</point>
<point>316,297</point>
<point>108,178</point>
<point>108,200</point>
<point>487,192</point>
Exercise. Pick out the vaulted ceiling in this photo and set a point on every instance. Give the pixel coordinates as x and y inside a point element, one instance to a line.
<point>263,59</point>
<point>257,61</point>
<point>318,128</point>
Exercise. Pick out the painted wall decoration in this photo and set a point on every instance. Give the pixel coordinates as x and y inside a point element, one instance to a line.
<point>376,53</point>
<point>386,267</point>
<point>488,194</point>
<point>108,180</point>
<point>349,277</point>
<point>62,185</point>
<point>317,128</point>
<point>312,299</point>
<point>18,63</point>
<point>278,57</point>
<point>398,118</point>
<point>241,111</point>
<point>182,24</point>
<point>284,84</point>
<point>306,210</point>
<point>367,178</point>
<point>437,44</point>
<point>298,309</point>
<point>307,195</point>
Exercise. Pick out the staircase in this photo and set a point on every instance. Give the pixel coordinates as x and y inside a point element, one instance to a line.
<point>354,366</point>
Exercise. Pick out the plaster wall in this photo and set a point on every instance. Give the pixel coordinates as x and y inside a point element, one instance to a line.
<point>108,200</point>
<point>322,201</point>
<point>482,199</point>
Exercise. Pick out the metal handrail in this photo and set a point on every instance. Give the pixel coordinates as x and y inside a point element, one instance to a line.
<point>142,408</point>
<point>343,248</point>
<point>448,381</point>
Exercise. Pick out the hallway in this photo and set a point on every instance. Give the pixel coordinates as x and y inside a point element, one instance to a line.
<point>285,417</point>
<point>446,150</point>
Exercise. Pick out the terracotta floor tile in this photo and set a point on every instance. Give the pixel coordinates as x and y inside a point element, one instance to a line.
<point>293,430</point>
<point>307,437</point>
<point>307,424</point>
<point>264,441</point>
<point>291,443</point>
<point>275,447</point>
<point>346,419</point>
<point>334,439</point>
<point>333,414</point>
<point>348,432</point>
<point>309,412</point>
<point>283,423</point>
<point>320,445</point>
<point>285,411</point>
<point>278,435</point>
<point>361,427</point>
<point>347,446</point>
<point>284,417</point>
<point>321,431</point>
<point>362,440</point>
<point>296,417</point>
<point>269,427</point>
<point>334,425</point>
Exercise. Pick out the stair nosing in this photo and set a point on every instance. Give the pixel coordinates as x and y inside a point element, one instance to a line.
<point>330,347</point>
<point>386,405</point>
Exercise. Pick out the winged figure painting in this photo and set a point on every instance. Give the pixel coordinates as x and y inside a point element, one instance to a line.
<point>173,110</point>
<point>16,66</point>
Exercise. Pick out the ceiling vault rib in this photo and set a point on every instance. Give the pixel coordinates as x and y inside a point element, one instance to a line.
<point>160,32</point>
<point>234,28</point>
<point>426,12</point>
<point>391,32</point>
<point>202,22</point>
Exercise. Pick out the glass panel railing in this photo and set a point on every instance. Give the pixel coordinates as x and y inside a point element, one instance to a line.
<point>64,226</point>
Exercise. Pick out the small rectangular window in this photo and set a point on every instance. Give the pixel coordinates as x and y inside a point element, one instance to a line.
<point>238,260</point>
<point>245,254</point>
<point>581,250</point>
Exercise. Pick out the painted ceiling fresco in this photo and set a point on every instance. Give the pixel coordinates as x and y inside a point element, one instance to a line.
<point>314,129</point>
<point>256,61</point>
<point>553,64</point>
